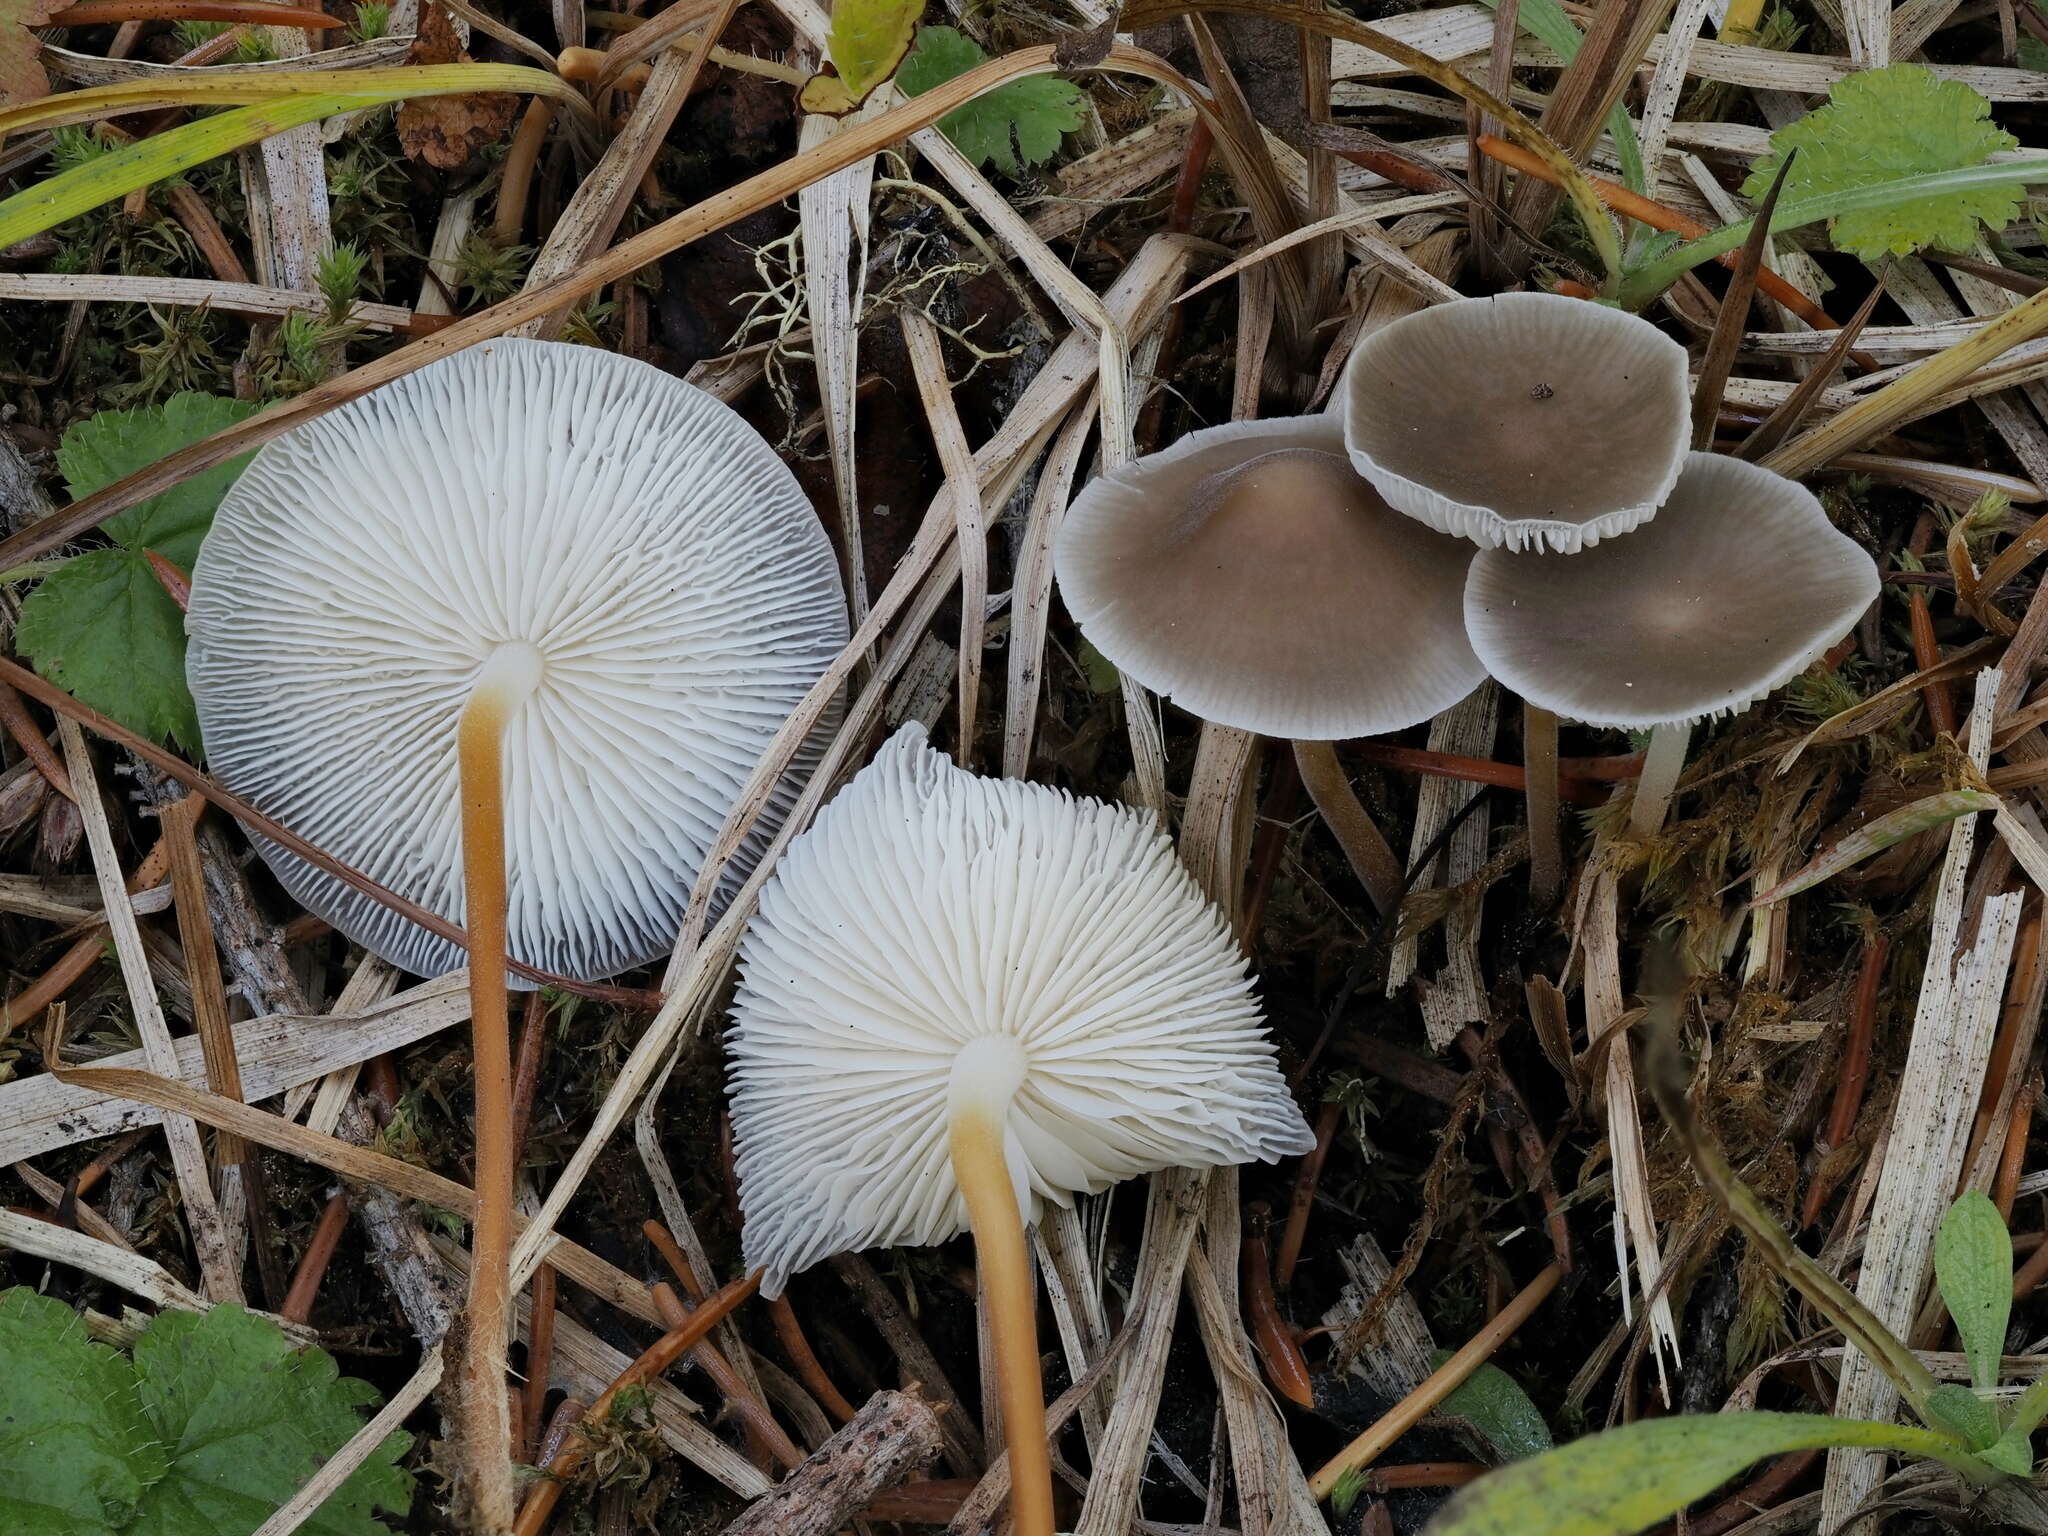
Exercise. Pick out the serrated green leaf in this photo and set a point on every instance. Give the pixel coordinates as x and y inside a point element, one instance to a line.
<point>1882,125</point>
<point>105,447</point>
<point>1496,1407</point>
<point>1014,126</point>
<point>1622,1481</point>
<point>1973,1267</point>
<point>866,43</point>
<point>247,1418</point>
<point>104,628</point>
<point>1965,1413</point>
<point>76,1453</point>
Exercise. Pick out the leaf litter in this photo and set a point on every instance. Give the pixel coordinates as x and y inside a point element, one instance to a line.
<point>1478,1166</point>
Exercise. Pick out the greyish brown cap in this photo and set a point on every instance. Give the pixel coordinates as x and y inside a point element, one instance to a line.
<point>1739,585</point>
<point>1250,575</point>
<point>1527,420</point>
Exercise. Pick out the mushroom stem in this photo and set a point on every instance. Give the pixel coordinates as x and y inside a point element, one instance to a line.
<point>986,1076</point>
<point>1662,764</point>
<point>1365,846</point>
<point>1539,763</point>
<point>483,1434</point>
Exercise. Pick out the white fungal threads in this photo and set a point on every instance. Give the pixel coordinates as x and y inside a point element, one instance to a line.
<point>930,914</point>
<point>647,544</point>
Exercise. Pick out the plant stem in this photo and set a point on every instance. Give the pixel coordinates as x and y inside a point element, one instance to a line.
<point>1409,1412</point>
<point>1546,844</point>
<point>1662,765</point>
<point>986,1075</point>
<point>483,1429</point>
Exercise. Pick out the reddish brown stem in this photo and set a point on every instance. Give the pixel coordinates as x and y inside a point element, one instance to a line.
<point>176,584</point>
<point>658,1357</point>
<point>1289,1252</point>
<point>21,1010</point>
<point>508,219</point>
<point>810,1370</point>
<point>255,13</point>
<point>526,1071</point>
<point>1476,770</point>
<point>305,1288</point>
<point>2005,1186</point>
<point>763,1432</point>
<point>1425,1474</point>
<point>1286,1368</point>
<point>540,1359</point>
<point>35,746</point>
<point>1188,186</point>
<point>1854,1073</point>
<point>1657,216</point>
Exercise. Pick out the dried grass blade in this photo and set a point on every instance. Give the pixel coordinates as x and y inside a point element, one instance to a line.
<point>1783,421</point>
<point>1732,320</point>
<point>188,1158</point>
<point>970,517</point>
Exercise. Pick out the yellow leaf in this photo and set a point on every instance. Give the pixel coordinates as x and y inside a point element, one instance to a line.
<point>867,42</point>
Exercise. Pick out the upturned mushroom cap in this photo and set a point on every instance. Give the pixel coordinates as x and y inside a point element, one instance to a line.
<point>1739,585</point>
<point>1528,420</point>
<point>1251,576</point>
<point>636,532</point>
<point>929,909</point>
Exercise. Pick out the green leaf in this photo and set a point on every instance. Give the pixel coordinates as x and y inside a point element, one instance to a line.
<point>1494,1404</point>
<point>1973,1267</point>
<point>2013,1452</point>
<point>247,1418</point>
<point>1037,111</point>
<point>1965,1413</point>
<point>103,448</point>
<point>866,43</point>
<point>1883,125</point>
<point>104,628</point>
<point>76,1454</point>
<point>1623,1480</point>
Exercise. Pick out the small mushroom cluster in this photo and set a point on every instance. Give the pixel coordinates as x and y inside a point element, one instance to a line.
<point>1316,577</point>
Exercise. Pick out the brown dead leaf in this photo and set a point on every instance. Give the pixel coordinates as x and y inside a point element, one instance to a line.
<point>447,131</point>
<point>21,65</point>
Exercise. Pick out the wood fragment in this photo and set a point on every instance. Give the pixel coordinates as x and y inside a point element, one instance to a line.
<point>893,1435</point>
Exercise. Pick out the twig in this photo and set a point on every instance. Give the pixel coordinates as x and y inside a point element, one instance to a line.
<point>1854,1072</point>
<point>1289,1252</point>
<point>1445,1380</point>
<point>305,1287</point>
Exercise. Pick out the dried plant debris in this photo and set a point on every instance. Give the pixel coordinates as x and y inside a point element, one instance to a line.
<point>1639,899</point>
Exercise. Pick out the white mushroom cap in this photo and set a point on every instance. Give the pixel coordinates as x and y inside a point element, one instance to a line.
<point>1739,585</point>
<point>1249,574</point>
<point>928,909</point>
<point>1529,420</point>
<point>638,533</point>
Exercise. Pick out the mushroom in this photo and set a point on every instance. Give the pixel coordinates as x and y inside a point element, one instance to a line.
<point>1252,576</point>
<point>507,636</point>
<point>1738,586</point>
<point>1527,420</point>
<point>961,998</point>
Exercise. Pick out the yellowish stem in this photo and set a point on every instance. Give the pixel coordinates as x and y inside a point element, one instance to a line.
<point>986,1075</point>
<point>484,1432</point>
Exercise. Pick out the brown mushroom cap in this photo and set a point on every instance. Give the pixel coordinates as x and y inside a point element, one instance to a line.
<point>1528,420</point>
<point>1250,575</point>
<point>1739,585</point>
